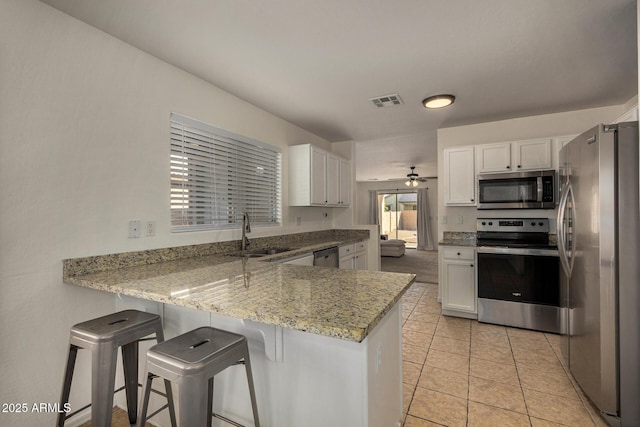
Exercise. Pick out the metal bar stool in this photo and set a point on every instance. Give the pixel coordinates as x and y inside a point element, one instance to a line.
<point>103,336</point>
<point>190,361</point>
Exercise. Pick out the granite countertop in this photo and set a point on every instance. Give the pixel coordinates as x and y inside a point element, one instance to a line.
<point>345,304</point>
<point>458,238</point>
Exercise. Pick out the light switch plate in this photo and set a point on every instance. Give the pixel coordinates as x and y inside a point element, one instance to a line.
<point>134,228</point>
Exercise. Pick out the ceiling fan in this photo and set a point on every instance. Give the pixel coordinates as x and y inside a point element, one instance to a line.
<point>413,178</point>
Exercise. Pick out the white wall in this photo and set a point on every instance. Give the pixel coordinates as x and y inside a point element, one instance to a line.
<point>543,126</point>
<point>84,142</point>
<point>363,198</point>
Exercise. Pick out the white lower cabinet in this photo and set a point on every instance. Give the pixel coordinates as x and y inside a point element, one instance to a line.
<point>458,281</point>
<point>354,256</point>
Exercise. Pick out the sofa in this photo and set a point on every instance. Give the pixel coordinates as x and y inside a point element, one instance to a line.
<point>393,247</point>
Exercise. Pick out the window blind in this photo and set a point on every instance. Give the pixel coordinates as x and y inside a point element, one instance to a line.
<point>216,176</point>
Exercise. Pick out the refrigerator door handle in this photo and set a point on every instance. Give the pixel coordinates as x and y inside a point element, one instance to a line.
<point>570,242</point>
<point>562,230</point>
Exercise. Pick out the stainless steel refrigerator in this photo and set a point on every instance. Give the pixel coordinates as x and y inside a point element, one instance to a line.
<point>599,248</point>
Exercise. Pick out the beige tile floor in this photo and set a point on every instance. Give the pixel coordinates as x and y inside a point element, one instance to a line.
<point>459,372</point>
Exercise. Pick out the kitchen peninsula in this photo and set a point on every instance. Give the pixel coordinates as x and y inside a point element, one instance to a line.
<point>325,343</point>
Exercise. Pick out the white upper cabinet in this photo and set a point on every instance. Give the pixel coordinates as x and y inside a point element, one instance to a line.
<point>531,155</point>
<point>493,157</point>
<point>534,154</point>
<point>459,176</point>
<point>345,183</point>
<point>316,179</point>
<point>333,180</point>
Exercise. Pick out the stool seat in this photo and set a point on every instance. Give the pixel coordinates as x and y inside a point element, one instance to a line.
<point>120,328</point>
<point>190,361</point>
<point>196,351</point>
<point>103,336</point>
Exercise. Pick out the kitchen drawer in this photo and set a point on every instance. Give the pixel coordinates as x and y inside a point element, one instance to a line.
<point>460,253</point>
<point>346,250</point>
<point>361,246</point>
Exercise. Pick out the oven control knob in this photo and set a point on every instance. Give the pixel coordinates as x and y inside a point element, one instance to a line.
<point>533,224</point>
<point>540,224</point>
<point>490,223</point>
<point>484,223</point>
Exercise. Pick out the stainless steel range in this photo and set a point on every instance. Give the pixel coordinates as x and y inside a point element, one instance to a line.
<point>518,274</point>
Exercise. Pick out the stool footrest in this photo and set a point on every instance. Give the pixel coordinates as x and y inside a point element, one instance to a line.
<point>158,411</point>
<point>226,420</point>
<point>76,412</point>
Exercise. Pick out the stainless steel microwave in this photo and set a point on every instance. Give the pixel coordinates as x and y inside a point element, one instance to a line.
<point>520,190</point>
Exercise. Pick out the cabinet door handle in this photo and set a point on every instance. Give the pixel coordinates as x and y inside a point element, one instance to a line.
<point>471,265</point>
<point>458,253</point>
<point>508,167</point>
<point>519,166</point>
<point>472,200</point>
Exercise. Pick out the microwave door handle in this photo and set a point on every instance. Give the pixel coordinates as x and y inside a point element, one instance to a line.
<point>539,188</point>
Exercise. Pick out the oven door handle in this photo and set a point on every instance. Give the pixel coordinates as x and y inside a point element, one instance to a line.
<point>517,251</point>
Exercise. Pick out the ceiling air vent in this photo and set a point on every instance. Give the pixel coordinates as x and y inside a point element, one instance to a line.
<point>387,100</point>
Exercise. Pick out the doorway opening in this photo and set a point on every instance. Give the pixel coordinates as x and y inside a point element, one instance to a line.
<point>399,216</point>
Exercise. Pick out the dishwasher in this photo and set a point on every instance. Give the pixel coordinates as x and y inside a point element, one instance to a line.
<point>326,258</point>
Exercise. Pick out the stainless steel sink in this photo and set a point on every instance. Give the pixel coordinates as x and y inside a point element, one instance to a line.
<point>250,255</point>
<point>257,253</point>
<point>268,251</point>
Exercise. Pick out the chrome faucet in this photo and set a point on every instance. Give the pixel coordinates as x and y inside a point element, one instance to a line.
<point>246,228</point>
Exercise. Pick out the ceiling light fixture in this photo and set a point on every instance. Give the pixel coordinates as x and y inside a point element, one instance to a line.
<point>438,101</point>
<point>412,180</point>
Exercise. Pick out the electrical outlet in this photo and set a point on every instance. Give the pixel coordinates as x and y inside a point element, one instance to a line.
<point>443,219</point>
<point>151,228</point>
<point>298,220</point>
<point>134,228</point>
<point>459,219</point>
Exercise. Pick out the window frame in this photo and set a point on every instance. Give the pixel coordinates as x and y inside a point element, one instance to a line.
<point>224,174</point>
